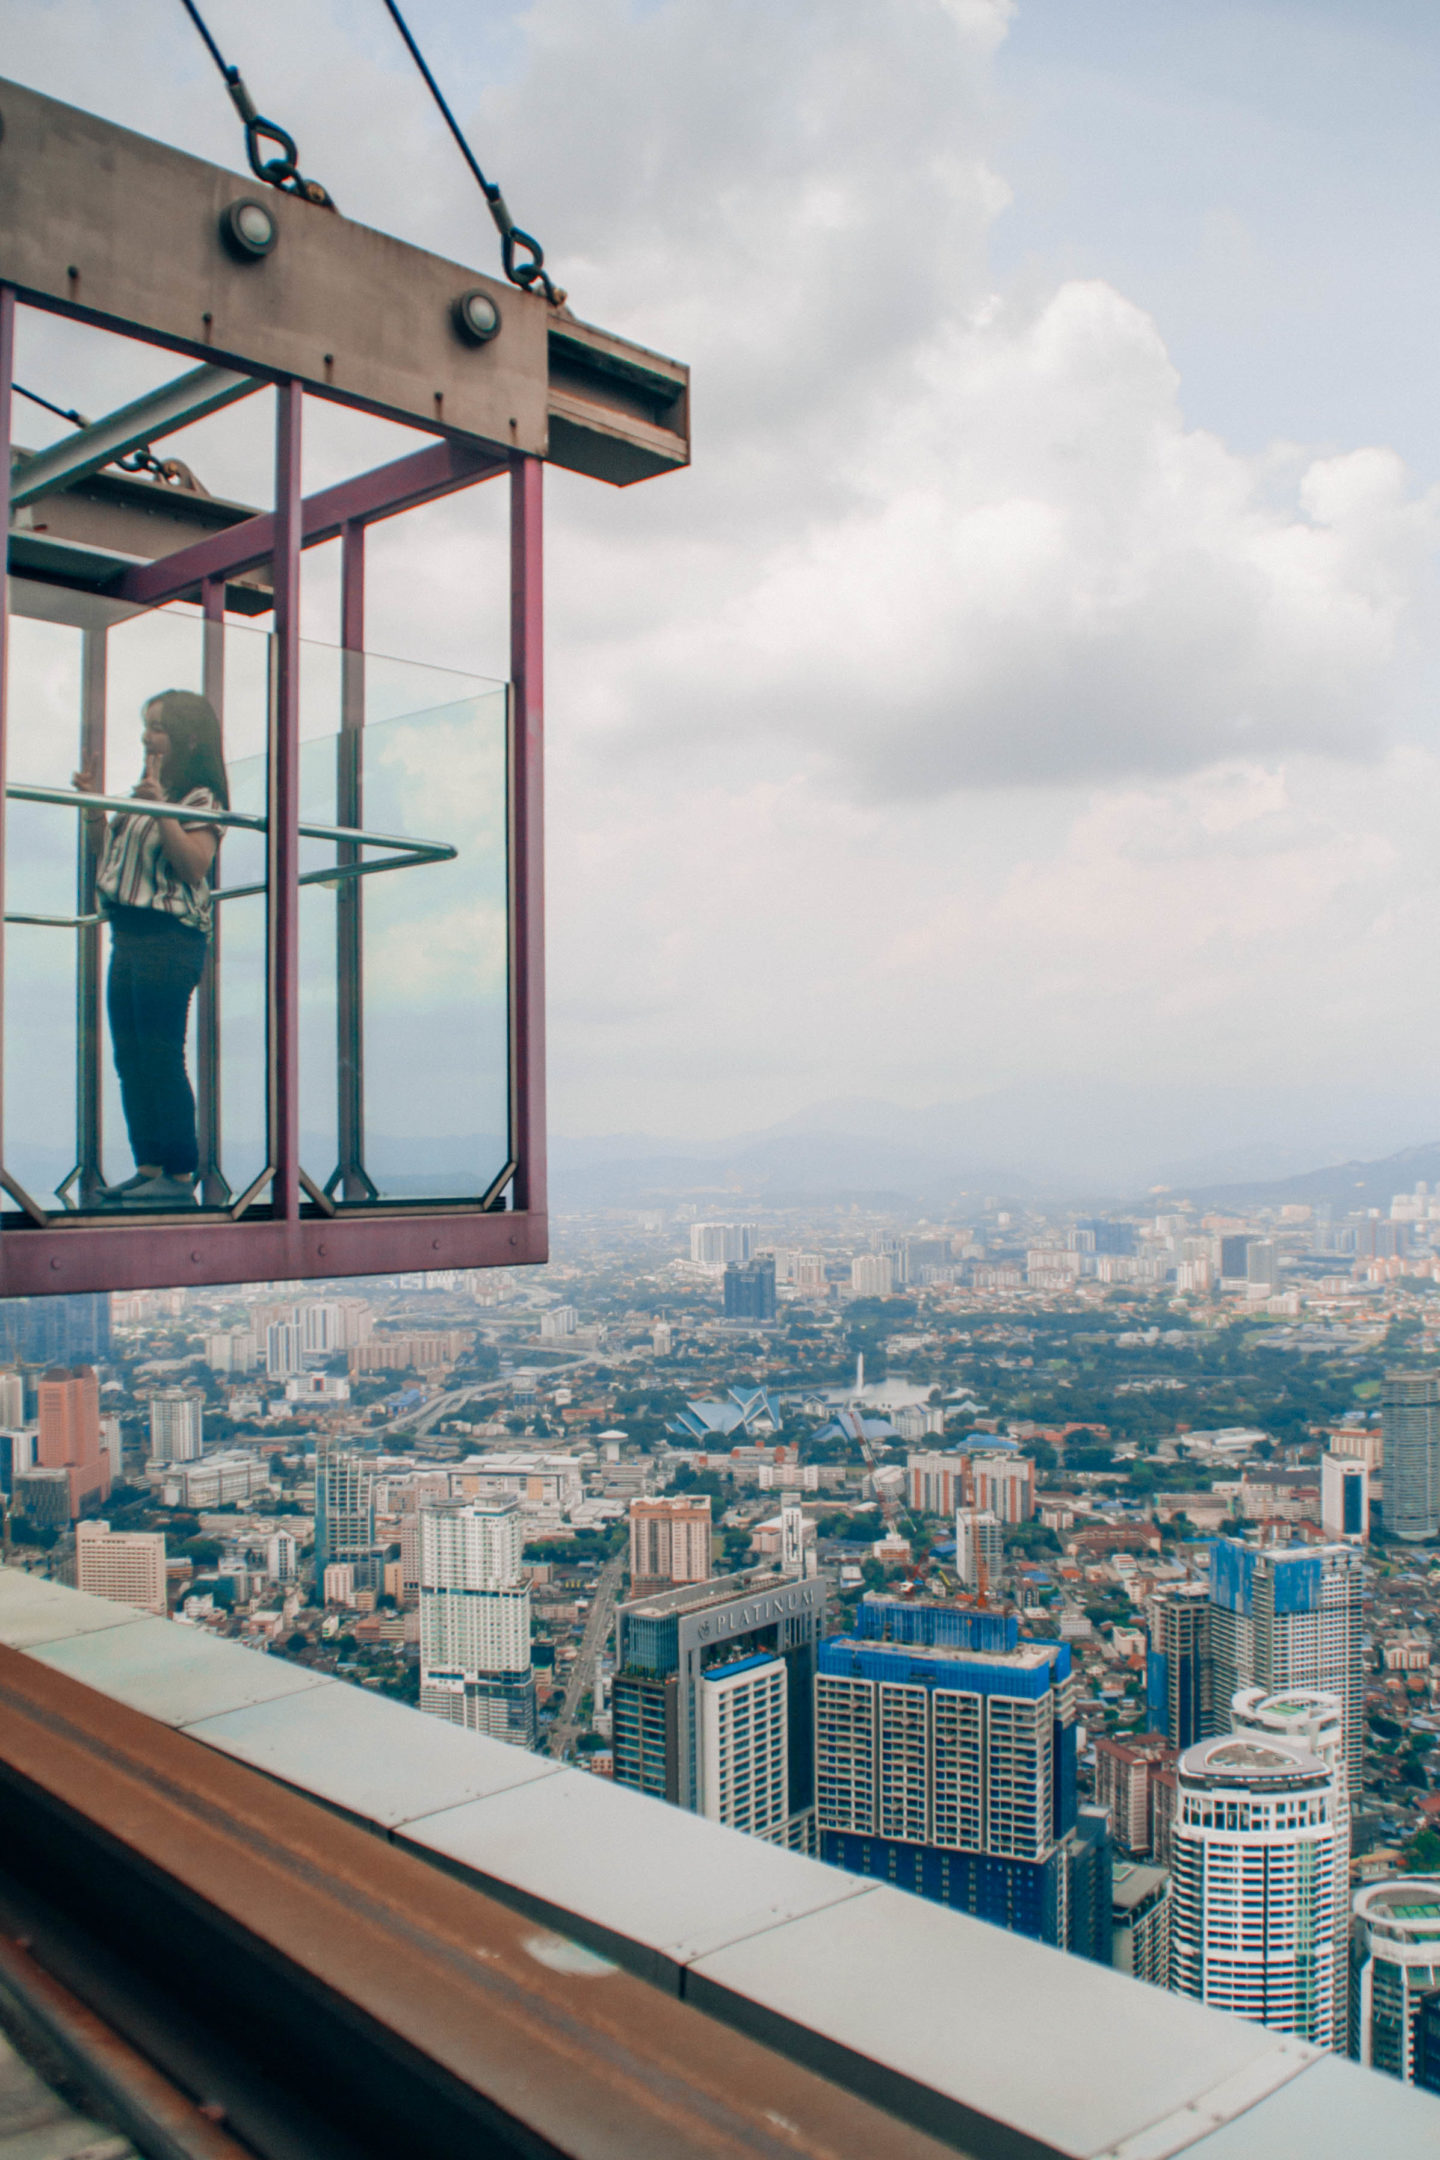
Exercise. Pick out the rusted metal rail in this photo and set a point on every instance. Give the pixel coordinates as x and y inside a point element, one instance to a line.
<point>326,1995</point>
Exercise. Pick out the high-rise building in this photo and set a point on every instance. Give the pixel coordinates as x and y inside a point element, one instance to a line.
<point>1395,1963</point>
<point>1410,1419</point>
<point>1254,1884</point>
<point>177,1425</point>
<point>1005,1484</point>
<point>284,1349</point>
<point>282,1557</point>
<point>127,1566</point>
<point>1262,1264</point>
<point>331,1324</point>
<point>714,1244</point>
<point>1315,1721</point>
<point>945,1765</point>
<point>750,1291</point>
<point>68,1435</point>
<point>231,1351</point>
<point>1140,1921</point>
<point>1344,1498</point>
<point>17,1455</point>
<point>12,1400</point>
<point>1427,2041</point>
<point>55,1330</point>
<point>1289,1616</point>
<point>935,1483</point>
<point>744,1752</point>
<point>979,1548</point>
<point>664,1646</point>
<point>872,1275</point>
<point>1124,1770</point>
<point>797,1553</point>
<point>344,1505</point>
<point>670,1542</point>
<point>475,1666</point>
<point>1233,1252</point>
<point>1177,1667</point>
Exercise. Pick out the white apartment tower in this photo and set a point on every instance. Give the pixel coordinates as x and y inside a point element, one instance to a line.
<point>126,1566</point>
<point>716,1244</point>
<point>284,1349</point>
<point>744,1779</point>
<point>872,1275</point>
<point>1345,1498</point>
<point>1311,1719</point>
<point>177,1426</point>
<point>1254,1884</point>
<point>12,1400</point>
<point>475,1620</point>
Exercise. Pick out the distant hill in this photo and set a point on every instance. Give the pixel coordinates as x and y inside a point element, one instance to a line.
<point>1345,1186</point>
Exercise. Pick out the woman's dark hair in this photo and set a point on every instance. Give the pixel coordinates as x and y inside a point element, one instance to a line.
<point>195,757</point>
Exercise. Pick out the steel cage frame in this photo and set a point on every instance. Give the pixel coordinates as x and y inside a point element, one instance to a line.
<point>303,1233</point>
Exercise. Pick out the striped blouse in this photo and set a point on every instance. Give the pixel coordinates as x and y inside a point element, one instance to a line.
<point>135,872</point>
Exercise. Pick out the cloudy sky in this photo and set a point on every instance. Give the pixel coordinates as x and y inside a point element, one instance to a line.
<point>1034,675</point>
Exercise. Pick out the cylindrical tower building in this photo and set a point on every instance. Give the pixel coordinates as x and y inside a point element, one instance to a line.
<point>1394,1957</point>
<point>1314,1719</point>
<point>1254,1883</point>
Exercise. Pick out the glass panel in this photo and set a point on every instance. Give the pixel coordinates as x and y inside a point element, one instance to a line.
<point>46,670</point>
<point>404,938</point>
<point>405,991</point>
<point>67,1135</point>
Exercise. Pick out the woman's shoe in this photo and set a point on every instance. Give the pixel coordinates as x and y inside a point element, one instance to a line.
<point>166,1192</point>
<point>117,1195</point>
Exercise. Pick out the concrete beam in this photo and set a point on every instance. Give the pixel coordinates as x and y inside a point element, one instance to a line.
<point>134,427</point>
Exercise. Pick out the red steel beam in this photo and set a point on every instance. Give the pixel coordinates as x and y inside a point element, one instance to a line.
<point>527,885</point>
<point>422,477</point>
<point>282,838</point>
<point>7,378</point>
<point>130,1253</point>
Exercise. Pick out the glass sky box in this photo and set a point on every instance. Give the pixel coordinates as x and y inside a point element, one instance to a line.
<point>366,1039</point>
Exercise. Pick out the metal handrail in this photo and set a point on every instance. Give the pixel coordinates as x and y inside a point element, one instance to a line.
<point>408,853</point>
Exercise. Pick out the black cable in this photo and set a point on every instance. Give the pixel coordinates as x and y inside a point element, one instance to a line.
<point>526,273</point>
<point>76,419</point>
<point>282,171</point>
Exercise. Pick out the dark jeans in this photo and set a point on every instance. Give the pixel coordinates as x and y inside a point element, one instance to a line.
<point>155,963</point>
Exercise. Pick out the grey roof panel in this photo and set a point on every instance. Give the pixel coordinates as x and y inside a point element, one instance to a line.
<point>34,1611</point>
<point>634,1874</point>
<point>374,1758</point>
<point>959,2024</point>
<point>175,1674</point>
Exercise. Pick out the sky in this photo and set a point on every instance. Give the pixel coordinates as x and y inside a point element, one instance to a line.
<point>1032,679</point>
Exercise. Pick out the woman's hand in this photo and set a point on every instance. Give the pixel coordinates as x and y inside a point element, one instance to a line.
<point>87,782</point>
<point>148,790</point>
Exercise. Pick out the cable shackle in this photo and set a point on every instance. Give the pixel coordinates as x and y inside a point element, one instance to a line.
<point>281,172</point>
<point>525,274</point>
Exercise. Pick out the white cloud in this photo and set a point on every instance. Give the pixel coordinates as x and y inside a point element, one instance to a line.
<point>966,707</point>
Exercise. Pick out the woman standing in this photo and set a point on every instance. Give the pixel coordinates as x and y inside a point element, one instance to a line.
<point>153,885</point>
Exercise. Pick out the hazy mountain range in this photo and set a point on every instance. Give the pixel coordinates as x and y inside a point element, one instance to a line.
<point>1086,1140</point>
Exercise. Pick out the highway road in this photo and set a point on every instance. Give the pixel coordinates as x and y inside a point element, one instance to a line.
<point>592,1642</point>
